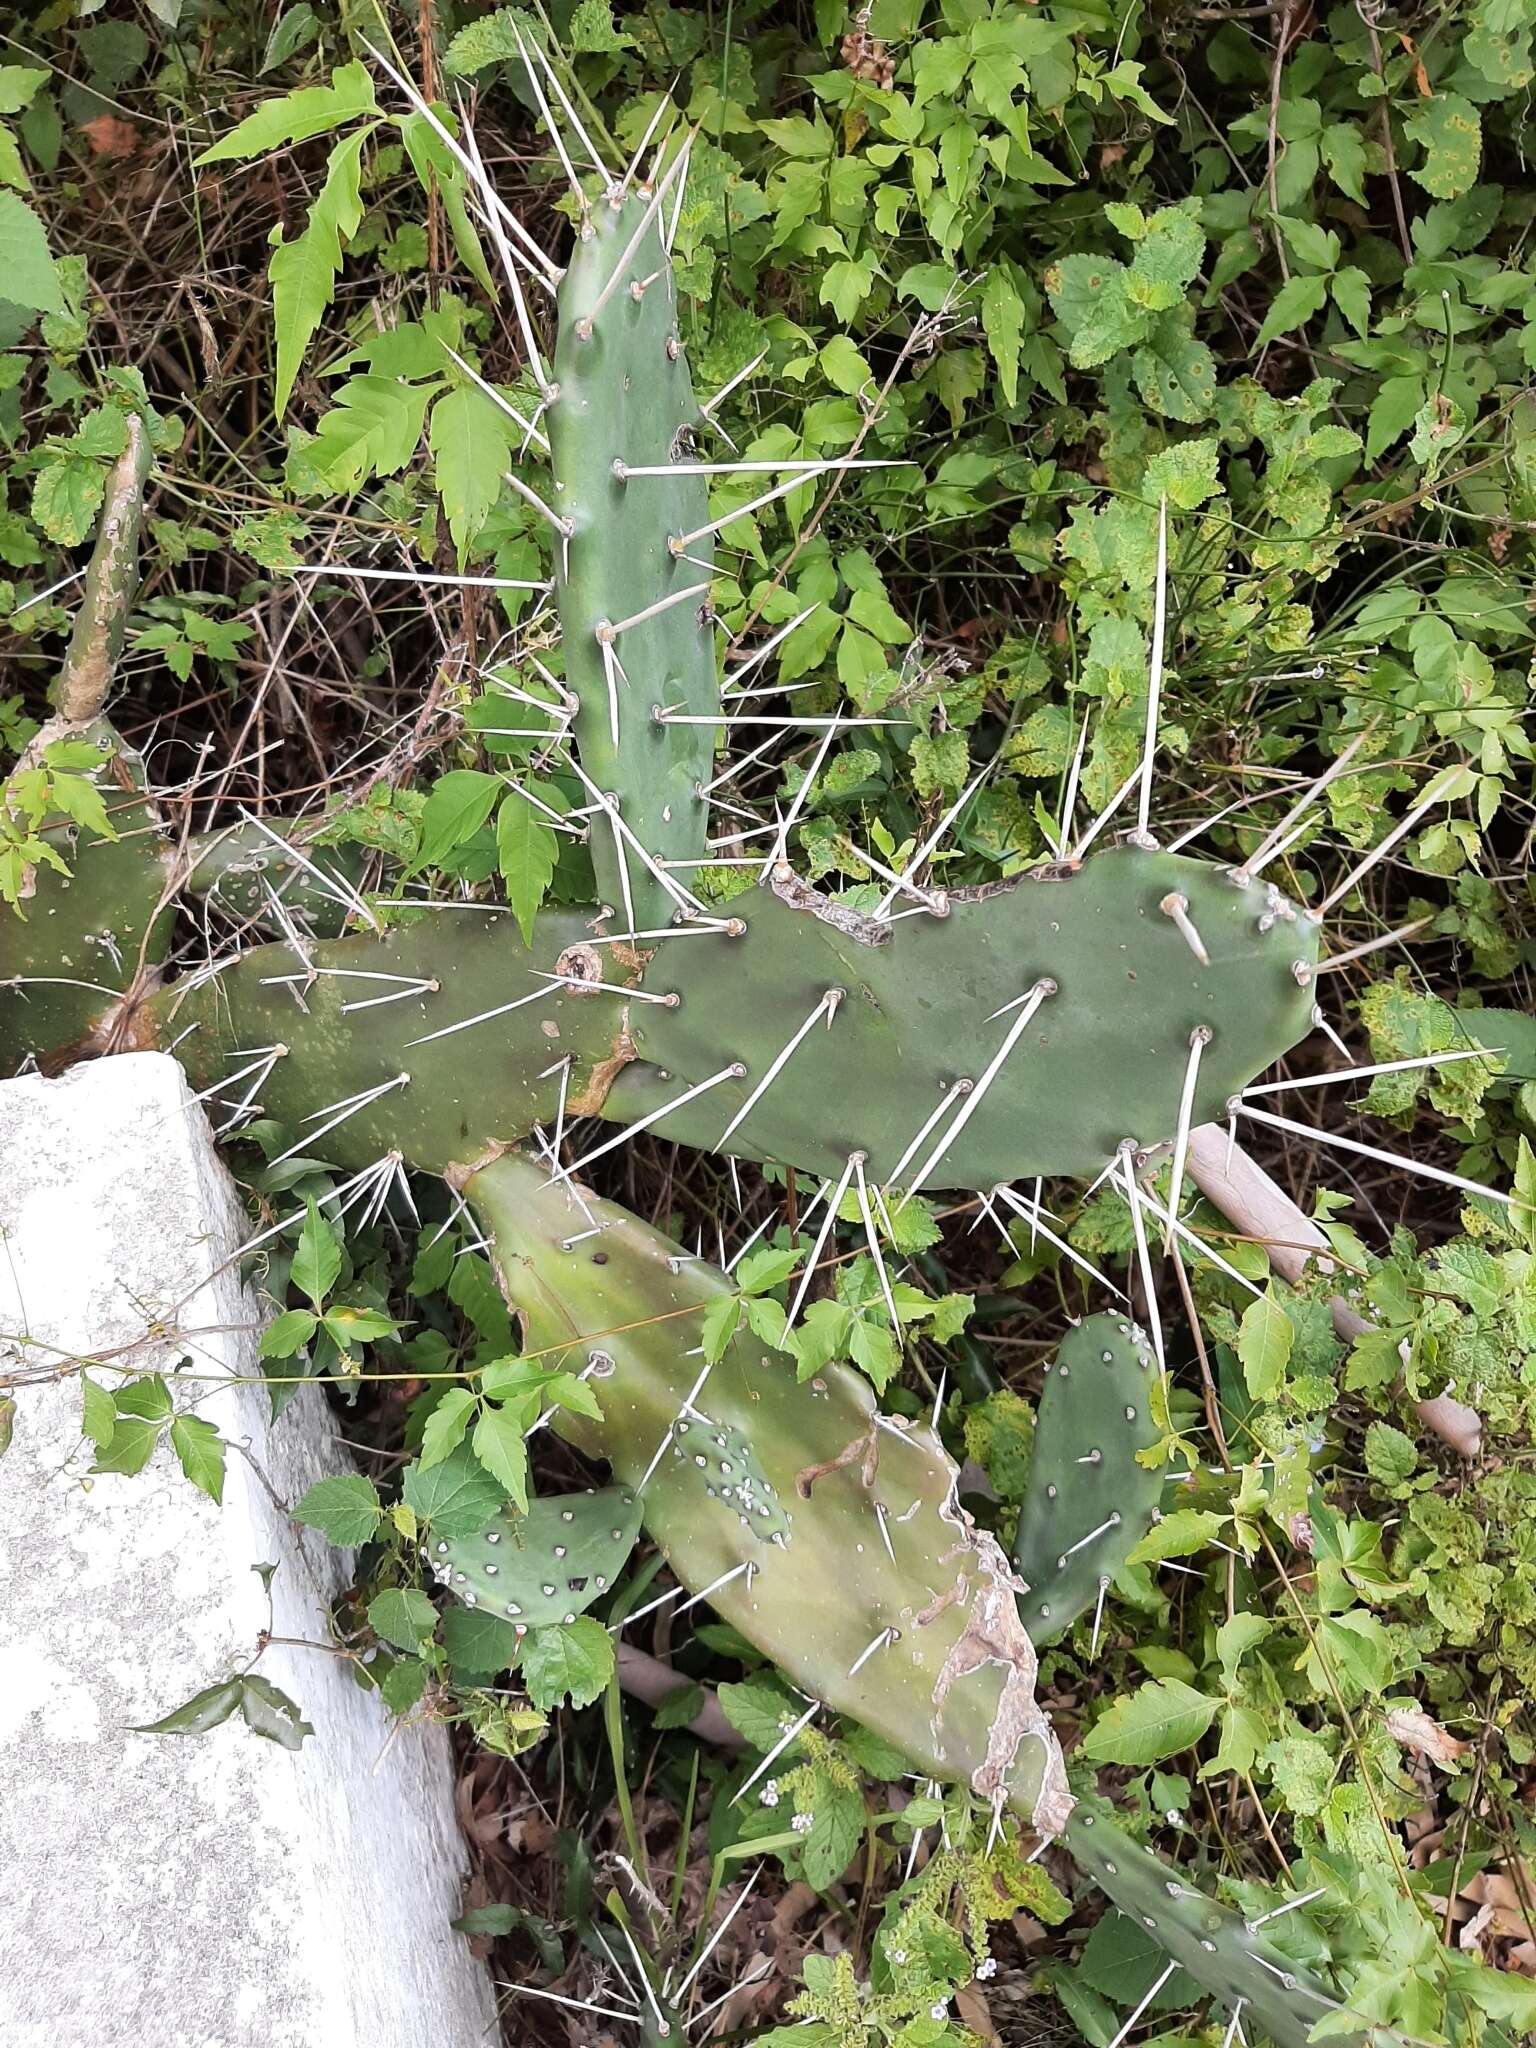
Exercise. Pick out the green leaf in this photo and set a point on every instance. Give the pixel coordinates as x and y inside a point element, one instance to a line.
<point>458,1497</point>
<point>478,1644</point>
<point>372,430</point>
<point>1264,1339</point>
<point>1390,1455</point>
<point>572,1661</point>
<point>498,1444</point>
<point>760,1710</point>
<point>205,1710</point>
<point>680,1706</point>
<point>26,268</point>
<point>444,1429</point>
<point>296,116</point>
<point>1351,290</point>
<point>131,1447</point>
<point>270,1713</point>
<point>458,805</point>
<point>67,494</point>
<point>1450,132</point>
<point>1393,411</point>
<point>317,1260</point>
<point>303,272</point>
<point>829,1845</point>
<point>1123,1960</point>
<point>471,443</point>
<point>286,1335</point>
<point>98,1416</point>
<point>1292,306</point>
<point>403,1684</point>
<point>1184,1533</point>
<point>345,1509</point>
<point>527,853</point>
<point>200,1451</point>
<point>1156,1721</point>
<point>403,1617</point>
<point>721,1320</point>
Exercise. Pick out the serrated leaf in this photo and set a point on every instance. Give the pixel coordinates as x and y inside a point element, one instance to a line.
<point>444,1429</point>
<point>296,116</point>
<point>527,852</point>
<point>1292,306</point>
<point>472,445</point>
<point>98,1415</point>
<point>478,1645</point>
<point>680,1706</point>
<point>573,1661</point>
<point>317,1261</point>
<point>758,1709</point>
<point>200,1451</point>
<point>1155,1721</point>
<point>402,1616</point>
<point>498,1444</point>
<point>1184,1533</point>
<point>131,1447</point>
<point>286,1335</point>
<point>346,1509</point>
<point>457,805</point>
<point>403,1684</point>
<point>458,1497</point>
<point>1264,1339</point>
<point>26,267</point>
<point>303,272</point>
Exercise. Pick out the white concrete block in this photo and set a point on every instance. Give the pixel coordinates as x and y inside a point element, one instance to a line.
<point>212,1891</point>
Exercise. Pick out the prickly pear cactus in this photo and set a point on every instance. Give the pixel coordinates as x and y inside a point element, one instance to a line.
<point>922,1641</point>
<point>1054,1013</point>
<point>636,622</point>
<point>1089,1501</point>
<point>548,1565</point>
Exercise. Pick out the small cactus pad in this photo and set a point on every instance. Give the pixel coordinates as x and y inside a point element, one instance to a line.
<point>1089,1501</point>
<point>1240,1966</point>
<point>548,1565</point>
<point>439,1099</point>
<point>876,1594</point>
<point>241,868</point>
<point>96,926</point>
<point>624,402</point>
<point>728,1466</point>
<point>930,1002</point>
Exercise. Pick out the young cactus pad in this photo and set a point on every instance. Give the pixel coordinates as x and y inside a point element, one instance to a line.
<point>1054,1013</point>
<point>1089,1502</point>
<point>922,1641</point>
<point>635,619</point>
<point>548,1565</point>
<point>95,917</point>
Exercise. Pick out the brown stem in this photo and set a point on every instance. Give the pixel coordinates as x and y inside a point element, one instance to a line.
<point>1240,1188</point>
<point>652,1681</point>
<point>111,583</point>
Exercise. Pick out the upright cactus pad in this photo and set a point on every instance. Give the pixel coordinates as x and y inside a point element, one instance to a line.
<point>1130,953</point>
<point>1089,1501</point>
<point>637,628</point>
<point>1243,1968</point>
<point>875,1593</point>
<point>96,910</point>
<point>548,1565</point>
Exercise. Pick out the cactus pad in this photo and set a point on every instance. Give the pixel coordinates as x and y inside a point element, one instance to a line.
<point>728,1466</point>
<point>879,1597</point>
<point>625,402</point>
<point>1278,1997</point>
<point>1089,1501</point>
<point>440,1099</point>
<point>548,1565</point>
<point>930,1002</point>
<point>94,928</point>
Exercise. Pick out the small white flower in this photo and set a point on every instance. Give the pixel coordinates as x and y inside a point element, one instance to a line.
<point>801,1823</point>
<point>769,1795</point>
<point>898,1955</point>
<point>940,2010</point>
<point>987,1967</point>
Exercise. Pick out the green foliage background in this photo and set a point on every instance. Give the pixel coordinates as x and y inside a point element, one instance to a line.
<point>1066,261</point>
